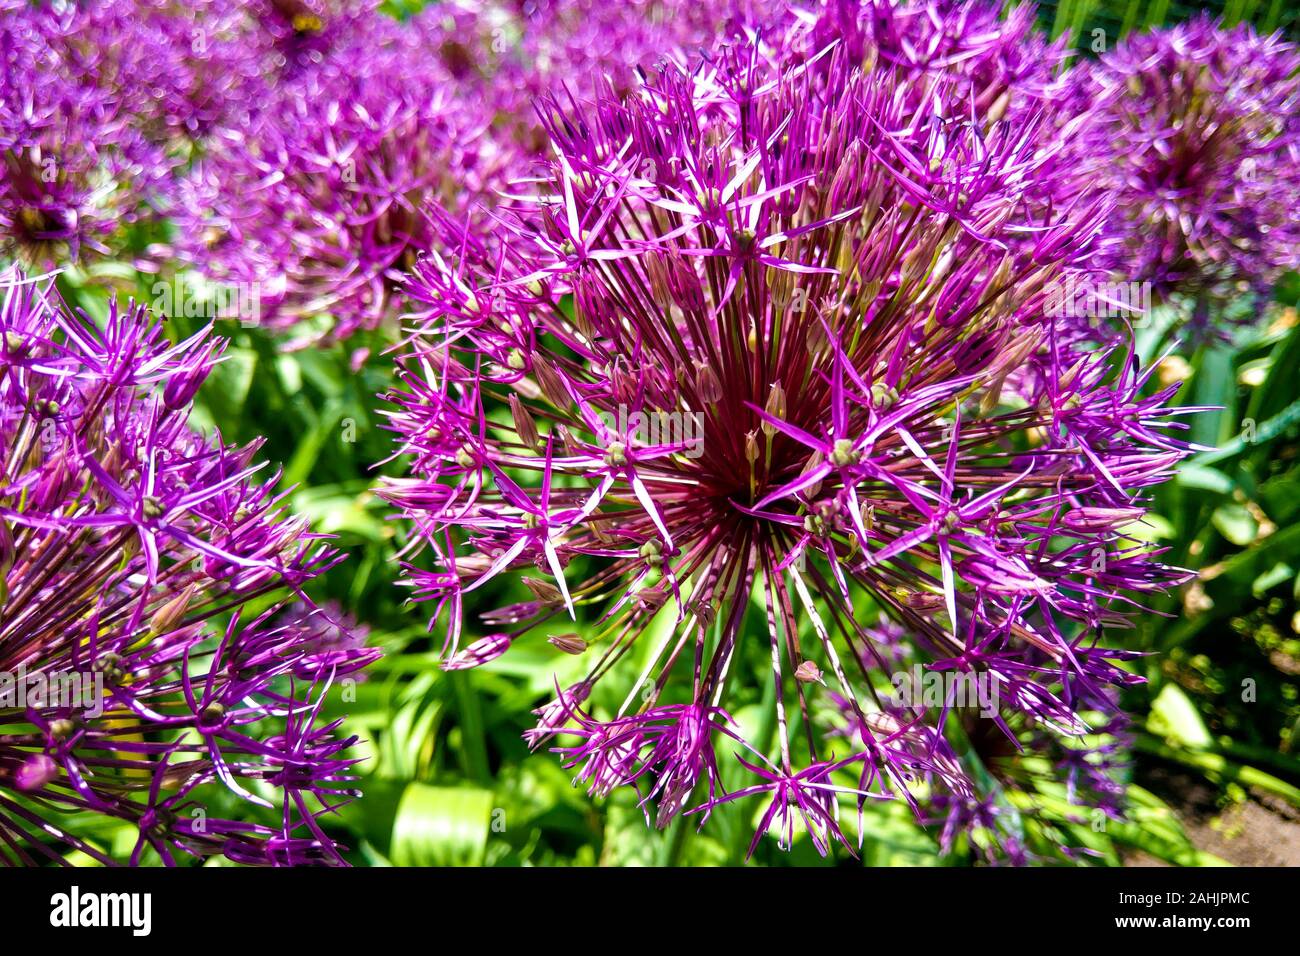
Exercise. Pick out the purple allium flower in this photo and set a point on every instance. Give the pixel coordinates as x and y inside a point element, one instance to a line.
<point>988,825</point>
<point>300,34</point>
<point>329,198</point>
<point>321,203</point>
<point>73,167</point>
<point>333,636</point>
<point>178,70</point>
<point>1196,130</point>
<point>133,681</point>
<point>746,345</point>
<point>998,66</point>
<point>1003,63</point>
<point>1002,795</point>
<point>586,43</point>
<point>509,52</point>
<point>1013,816</point>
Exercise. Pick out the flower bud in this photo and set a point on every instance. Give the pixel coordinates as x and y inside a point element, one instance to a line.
<point>480,652</point>
<point>775,407</point>
<point>809,673</point>
<point>569,643</point>
<point>169,615</point>
<point>550,382</point>
<point>707,386</point>
<point>525,427</point>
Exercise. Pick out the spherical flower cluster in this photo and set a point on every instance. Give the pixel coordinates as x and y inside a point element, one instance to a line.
<point>322,203</point>
<point>585,43</point>
<point>1196,131</point>
<point>504,54</point>
<point>107,104</point>
<point>746,348</point>
<point>140,568</point>
<point>74,168</point>
<point>298,35</point>
<point>178,70</point>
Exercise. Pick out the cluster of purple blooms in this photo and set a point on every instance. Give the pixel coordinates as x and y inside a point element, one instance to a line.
<point>321,206</point>
<point>294,145</point>
<point>299,144</point>
<point>838,276</point>
<point>132,680</point>
<point>723,326</point>
<point>74,166</point>
<point>1195,131</point>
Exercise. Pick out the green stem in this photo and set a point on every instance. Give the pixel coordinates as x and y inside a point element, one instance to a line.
<point>473,741</point>
<point>1219,765</point>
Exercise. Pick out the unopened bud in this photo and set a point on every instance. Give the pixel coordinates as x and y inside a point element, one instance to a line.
<point>809,673</point>
<point>812,464</point>
<point>775,407</point>
<point>569,643</point>
<point>549,381</point>
<point>35,772</point>
<point>920,600</point>
<point>525,427</point>
<point>999,107</point>
<point>166,617</point>
<point>707,385</point>
<point>544,591</point>
<point>480,652</point>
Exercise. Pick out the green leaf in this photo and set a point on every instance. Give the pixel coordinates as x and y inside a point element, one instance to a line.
<point>1235,523</point>
<point>1271,578</point>
<point>1205,478</point>
<point>1278,390</point>
<point>1174,717</point>
<point>1214,384</point>
<point>628,841</point>
<point>441,826</point>
<point>1220,768</point>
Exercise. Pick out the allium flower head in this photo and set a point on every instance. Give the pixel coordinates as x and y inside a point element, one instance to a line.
<point>585,42</point>
<point>1196,130</point>
<point>504,55</point>
<point>178,70</point>
<point>133,682</point>
<point>746,349</point>
<point>321,203</point>
<point>1001,61</point>
<point>328,198</point>
<point>73,167</point>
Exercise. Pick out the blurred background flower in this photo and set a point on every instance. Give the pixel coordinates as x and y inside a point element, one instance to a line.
<point>1196,131</point>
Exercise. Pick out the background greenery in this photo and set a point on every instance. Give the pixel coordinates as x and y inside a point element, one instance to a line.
<point>448,779</point>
